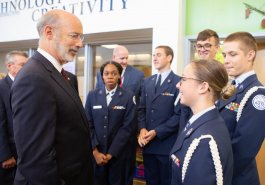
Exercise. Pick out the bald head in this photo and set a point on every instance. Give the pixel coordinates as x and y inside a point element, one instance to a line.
<point>61,35</point>
<point>120,55</point>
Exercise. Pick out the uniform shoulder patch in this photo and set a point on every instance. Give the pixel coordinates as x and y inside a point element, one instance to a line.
<point>259,102</point>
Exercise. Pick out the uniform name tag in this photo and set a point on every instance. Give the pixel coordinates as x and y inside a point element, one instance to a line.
<point>97,107</point>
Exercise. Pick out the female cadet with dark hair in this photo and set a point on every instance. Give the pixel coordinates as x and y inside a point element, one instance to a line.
<point>202,153</point>
<point>110,111</point>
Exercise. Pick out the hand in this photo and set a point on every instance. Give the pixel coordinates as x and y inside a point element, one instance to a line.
<point>142,142</point>
<point>9,163</point>
<point>149,136</point>
<point>101,159</point>
<point>109,156</point>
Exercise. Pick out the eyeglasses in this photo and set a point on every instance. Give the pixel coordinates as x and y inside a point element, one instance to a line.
<point>183,79</point>
<point>76,36</point>
<point>205,46</point>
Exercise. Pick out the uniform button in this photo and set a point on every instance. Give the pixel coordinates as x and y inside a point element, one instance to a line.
<point>105,117</point>
<point>152,120</point>
<point>104,136</point>
<point>105,126</point>
<point>152,110</point>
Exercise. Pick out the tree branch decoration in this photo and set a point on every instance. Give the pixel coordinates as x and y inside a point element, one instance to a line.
<point>250,8</point>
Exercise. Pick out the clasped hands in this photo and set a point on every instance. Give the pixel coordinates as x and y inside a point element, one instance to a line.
<point>101,159</point>
<point>145,136</point>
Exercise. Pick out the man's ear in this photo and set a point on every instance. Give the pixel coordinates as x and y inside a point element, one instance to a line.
<point>251,55</point>
<point>48,32</point>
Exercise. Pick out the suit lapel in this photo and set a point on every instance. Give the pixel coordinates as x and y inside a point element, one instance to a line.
<point>57,77</point>
<point>115,98</point>
<point>194,126</point>
<point>127,76</point>
<point>102,97</point>
<point>165,85</point>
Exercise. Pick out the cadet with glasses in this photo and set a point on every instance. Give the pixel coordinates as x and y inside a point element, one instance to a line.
<point>207,44</point>
<point>202,154</point>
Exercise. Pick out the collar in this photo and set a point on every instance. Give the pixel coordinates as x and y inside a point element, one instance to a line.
<point>164,75</point>
<point>123,71</point>
<point>50,58</point>
<point>111,92</point>
<point>243,76</point>
<point>12,77</point>
<point>199,114</point>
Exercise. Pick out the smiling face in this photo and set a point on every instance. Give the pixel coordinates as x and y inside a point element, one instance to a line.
<point>237,60</point>
<point>189,87</point>
<point>207,49</point>
<point>110,76</point>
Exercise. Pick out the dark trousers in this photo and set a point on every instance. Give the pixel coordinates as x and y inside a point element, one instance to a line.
<point>7,176</point>
<point>157,169</point>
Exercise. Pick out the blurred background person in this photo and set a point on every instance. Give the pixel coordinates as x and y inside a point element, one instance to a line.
<point>207,44</point>
<point>50,126</point>
<point>111,115</point>
<point>131,79</point>
<point>202,153</point>
<point>14,61</point>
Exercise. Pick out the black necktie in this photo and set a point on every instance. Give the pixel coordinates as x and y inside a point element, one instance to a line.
<point>65,76</point>
<point>158,83</point>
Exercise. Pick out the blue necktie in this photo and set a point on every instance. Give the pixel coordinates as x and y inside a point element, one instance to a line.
<point>158,83</point>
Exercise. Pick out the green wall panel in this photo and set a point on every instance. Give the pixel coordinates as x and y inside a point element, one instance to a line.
<point>223,16</point>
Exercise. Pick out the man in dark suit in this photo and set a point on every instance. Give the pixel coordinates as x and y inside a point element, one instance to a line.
<point>244,112</point>
<point>50,126</point>
<point>131,79</point>
<point>159,116</point>
<point>73,80</point>
<point>15,60</point>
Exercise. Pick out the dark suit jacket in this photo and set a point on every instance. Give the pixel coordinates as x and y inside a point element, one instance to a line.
<point>251,124</point>
<point>157,111</point>
<point>201,169</point>
<point>111,126</point>
<point>73,80</point>
<point>7,145</point>
<point>50,127</point>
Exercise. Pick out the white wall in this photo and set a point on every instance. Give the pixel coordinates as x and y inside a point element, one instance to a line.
<point>97,16</point>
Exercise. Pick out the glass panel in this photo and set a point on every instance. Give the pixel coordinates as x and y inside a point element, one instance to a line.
<point>140,56</point>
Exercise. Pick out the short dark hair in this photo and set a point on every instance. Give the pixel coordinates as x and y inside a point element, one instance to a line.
<point>116,64</point>
<point>168,51</point>
<point>206,34</point>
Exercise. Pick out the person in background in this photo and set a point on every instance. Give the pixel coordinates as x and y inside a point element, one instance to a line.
<point>2,75</point>
<point>14,61</point>
<point>244,111</point>
<point>159,116</point>
<point>207,44</point>
<point>203,153</point>
<point>111,115</point>
<point>50,126</point>
<point>131,79</point>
